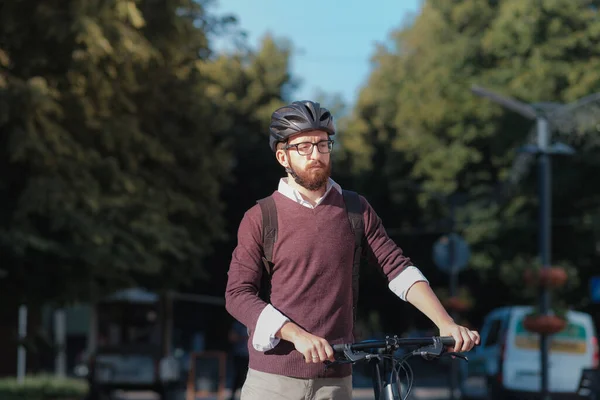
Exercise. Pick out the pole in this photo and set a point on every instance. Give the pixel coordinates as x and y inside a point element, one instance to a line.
<point>544,239</point>
<point>60,341</point>
<point>92,339</point>
<point>21,352</point>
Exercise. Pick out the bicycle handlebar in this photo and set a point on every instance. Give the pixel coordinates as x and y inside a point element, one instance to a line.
<point>394,342</point>
<point>430,348</point>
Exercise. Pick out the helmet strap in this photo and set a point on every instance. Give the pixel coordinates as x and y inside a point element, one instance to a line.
<point>291,172</point>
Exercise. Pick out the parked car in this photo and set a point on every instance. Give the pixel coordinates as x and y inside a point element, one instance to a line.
<point>144,341</point>
<point>507,363</point>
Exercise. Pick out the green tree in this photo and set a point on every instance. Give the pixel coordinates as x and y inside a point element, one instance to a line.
<point>420,135</point>
<point>112,153</point>
<point>248,85</point>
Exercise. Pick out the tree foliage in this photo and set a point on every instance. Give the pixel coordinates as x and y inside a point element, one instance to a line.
<point>423,138</point>
<point>130,150</point>
<point>112,153</point>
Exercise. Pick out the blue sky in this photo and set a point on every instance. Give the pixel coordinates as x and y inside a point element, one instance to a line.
<point>333,40</point>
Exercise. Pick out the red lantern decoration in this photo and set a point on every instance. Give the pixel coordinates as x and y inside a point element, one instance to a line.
<point>548,324</point>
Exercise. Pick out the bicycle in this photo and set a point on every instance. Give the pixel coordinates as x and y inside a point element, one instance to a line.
<point>379,353</point>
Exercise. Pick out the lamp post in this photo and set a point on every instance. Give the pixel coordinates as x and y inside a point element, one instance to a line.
<point>451,254</point>
<point>21,352</point>
<point>543,150</point>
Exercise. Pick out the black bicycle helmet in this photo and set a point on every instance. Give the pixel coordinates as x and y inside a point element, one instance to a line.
<point>298,117</point>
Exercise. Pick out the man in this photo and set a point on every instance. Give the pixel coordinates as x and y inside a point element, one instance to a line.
<point>311,283</point>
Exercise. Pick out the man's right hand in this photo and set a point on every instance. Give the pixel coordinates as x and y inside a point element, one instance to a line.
<point>314,349</point>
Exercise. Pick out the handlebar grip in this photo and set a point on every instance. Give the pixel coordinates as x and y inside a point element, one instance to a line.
<point>338,348</point>
<point>447,340</point>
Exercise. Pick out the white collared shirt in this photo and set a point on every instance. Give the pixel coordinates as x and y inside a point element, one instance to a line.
<point>271,320</point>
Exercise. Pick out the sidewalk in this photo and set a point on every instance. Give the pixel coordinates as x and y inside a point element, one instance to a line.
<point>418,393</point>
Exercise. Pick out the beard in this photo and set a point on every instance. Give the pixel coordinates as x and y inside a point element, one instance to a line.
<point>314,177</point>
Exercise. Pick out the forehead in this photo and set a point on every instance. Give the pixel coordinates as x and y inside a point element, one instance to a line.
<point>310,136</point>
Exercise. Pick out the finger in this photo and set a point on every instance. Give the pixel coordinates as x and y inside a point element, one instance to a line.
<point>319,350</point>
<point>474,338</point>
<point>470,340</point>
<point>317,358</point>
<point>314,353</point>
<point>322,354</point>
<point>477,337</point>
<point>308,357</point>
<point>465,339</point>
<point>329,353</point>
<point>467,342</point>
<point>458,341</point>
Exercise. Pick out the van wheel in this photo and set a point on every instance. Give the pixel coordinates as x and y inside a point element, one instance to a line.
<point>495,391</point>
<point>99,395</point>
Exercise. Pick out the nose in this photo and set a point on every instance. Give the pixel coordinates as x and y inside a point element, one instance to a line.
<point>314,154</point>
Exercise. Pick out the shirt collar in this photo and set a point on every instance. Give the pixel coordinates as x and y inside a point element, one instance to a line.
<point>285,189</point>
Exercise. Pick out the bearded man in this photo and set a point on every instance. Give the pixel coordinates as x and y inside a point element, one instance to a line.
<point>311,296</point>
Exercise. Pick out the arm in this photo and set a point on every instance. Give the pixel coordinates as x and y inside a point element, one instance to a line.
<point>268,325</point>
<point>409,284</point>
<point>314,349</point>
<point>424,299</point>
<point>380,248</point>
<point>243,283</point>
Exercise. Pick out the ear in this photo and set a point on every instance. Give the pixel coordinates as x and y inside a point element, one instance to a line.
<point>282,158</point>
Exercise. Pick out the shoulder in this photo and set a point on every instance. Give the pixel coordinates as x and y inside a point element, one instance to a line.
<point>364,203</point>
<point>251,221</point>
<point>369,215</point>
<point>254,214</point>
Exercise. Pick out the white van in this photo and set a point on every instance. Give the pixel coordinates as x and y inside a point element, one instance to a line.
<point>507,362</point>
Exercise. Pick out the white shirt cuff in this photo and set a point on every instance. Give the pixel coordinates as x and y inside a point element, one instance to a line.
<point>269,322</point>
<point>405,279</point>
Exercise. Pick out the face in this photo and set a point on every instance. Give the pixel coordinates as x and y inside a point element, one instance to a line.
<point>312,170</point>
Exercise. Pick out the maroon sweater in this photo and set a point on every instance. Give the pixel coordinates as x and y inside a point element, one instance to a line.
<point>312,276</point>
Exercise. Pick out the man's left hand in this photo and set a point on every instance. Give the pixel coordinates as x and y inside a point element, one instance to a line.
<point>464,338</point>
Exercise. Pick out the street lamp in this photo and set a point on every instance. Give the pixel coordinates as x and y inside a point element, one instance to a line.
<point>543,150</point>
<point>451,255</point>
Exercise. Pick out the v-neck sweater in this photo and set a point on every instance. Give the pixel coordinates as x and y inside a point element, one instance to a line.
<point>311,279</point>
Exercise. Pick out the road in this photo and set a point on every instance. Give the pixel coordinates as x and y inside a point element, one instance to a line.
<point>430,383</point>
<point>418,393</point>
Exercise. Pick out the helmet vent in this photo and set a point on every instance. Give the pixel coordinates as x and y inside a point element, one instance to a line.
<point>294,118</point>
<point>312,116</point>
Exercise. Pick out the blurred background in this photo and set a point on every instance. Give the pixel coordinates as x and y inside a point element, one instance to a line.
<point>134,136</point>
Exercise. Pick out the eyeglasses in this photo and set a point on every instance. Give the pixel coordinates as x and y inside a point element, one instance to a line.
<point>306,148</point>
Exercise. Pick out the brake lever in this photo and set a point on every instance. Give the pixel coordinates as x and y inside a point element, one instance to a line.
<point>436,350</point>
<point>349,357</point>
<point>457,355</point>
<point>432,351</point>
<point>354,356</point>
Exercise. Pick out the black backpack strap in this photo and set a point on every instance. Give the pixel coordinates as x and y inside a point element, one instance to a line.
<point>269,236</point>
<point>353,208</point>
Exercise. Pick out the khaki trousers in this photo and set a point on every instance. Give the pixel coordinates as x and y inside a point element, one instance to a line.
<point>264,386</point>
